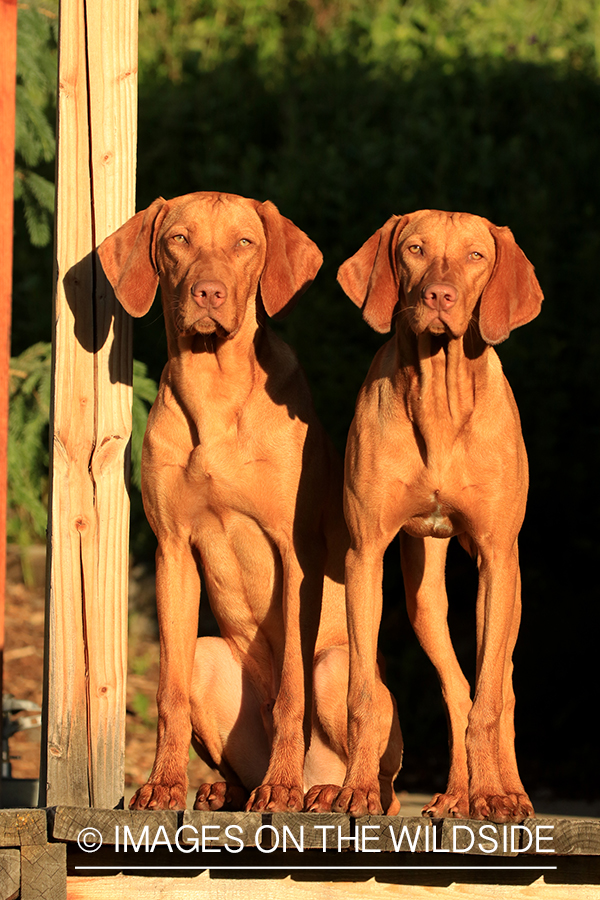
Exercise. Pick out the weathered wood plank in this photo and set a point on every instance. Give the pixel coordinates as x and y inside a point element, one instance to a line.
<point>22,826</point>
<point>44,872</point>
<point>568,836</point>
<point>89,518</point>
<point>71,522</point>
<point>10,874</point>
<point>221,829</point>
<point>311,831</point>
<point>413,834</point>
<point>111,824</point>
<point>480,838</point>
<point>112,58</point>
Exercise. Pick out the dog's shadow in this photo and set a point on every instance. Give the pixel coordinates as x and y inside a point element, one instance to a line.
<point>98,316</point>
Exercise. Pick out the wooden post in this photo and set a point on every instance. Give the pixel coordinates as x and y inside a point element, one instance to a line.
<point>8,79</point>
<point>85,667</point>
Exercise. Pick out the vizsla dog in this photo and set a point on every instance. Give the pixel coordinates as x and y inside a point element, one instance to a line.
<point>240,480</point>
<point>436,450</point>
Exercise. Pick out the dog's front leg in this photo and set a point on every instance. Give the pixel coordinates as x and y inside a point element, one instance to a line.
<point>360,794</point>
<point>283,785</point>
<point>178,599</point>
<point>494,794</point>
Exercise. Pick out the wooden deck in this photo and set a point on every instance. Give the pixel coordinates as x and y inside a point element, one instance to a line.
<point>81,853</point>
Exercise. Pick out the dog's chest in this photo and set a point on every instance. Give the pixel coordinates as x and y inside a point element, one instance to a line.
<point>435,522</point>
<point>229,475</point>
<point>234,527</point>
<point>217,462</point>
<point>221,474</point>
<point>199,472</point>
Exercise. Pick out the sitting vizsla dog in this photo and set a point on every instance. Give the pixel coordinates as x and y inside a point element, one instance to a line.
<point>436,450</point>
<point>240,480</point>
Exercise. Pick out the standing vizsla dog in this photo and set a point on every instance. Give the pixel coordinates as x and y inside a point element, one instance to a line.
<point>240,480</point>
<point>436,450</point>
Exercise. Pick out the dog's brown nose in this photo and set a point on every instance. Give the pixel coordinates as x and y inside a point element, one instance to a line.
<point>209,293</point>
<point>439,296</point>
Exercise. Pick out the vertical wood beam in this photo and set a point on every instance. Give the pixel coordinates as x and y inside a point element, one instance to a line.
<point>8,80</point>
<point>83,752</point>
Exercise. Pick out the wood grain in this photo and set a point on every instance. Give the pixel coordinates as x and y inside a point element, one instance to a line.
<point>313,830</point>
<point>414,834</point>
<point>291,888</point>
<point>112,55</point>
<point>68,822</point>
<point>480,838</point>
<point>10,874</point>
<point>91,412</point>
<point>580,837</point>
<point>243,826</point>
<point>44,872</point>
<point>22,826</point>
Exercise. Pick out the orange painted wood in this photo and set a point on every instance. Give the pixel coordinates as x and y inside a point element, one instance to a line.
<point>8,75</point>
<point>89,508</point>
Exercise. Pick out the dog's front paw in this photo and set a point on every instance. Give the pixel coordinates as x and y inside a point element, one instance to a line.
<point>454,805</point>
<point>524,806</point>
<point>320,797</point>
<point>276,798</point>
<point>155,795</point>
<point>358,802</point>
<point>220,795</point>
<point>496,808</point>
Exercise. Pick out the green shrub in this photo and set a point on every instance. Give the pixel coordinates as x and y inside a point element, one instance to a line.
<point>28,456</point>
<point>29,411</point>
<point>36,87</point>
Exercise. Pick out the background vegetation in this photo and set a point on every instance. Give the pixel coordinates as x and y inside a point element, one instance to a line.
<point>342,113</point>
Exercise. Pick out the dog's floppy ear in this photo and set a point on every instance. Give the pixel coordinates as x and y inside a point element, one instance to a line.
<point>512,296</point>
<point>370,277</point>
<point>128,259</point>
<point>292,262</point>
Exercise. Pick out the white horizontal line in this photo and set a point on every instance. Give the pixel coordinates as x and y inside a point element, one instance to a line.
<point>323,868</point>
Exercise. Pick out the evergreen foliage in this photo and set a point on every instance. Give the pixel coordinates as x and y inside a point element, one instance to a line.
<point>34,138</point>
<point>30,376</point>
<point>379,33</point>
<point>30,383</point>
<point>144,395</point>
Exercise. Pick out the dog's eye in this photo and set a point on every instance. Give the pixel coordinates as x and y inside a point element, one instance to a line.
<point>244,242</point>
<point>415,249</point>
<point>475,255</point>
<point>180,238</point>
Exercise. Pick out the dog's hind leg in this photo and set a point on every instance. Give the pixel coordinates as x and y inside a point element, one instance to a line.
<point>511,781</point>
<point>325,765</point>
<point>423,563</point>
<point>227,726</point>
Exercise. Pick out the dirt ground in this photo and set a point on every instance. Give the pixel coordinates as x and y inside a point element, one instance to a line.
<point>24,649</point>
